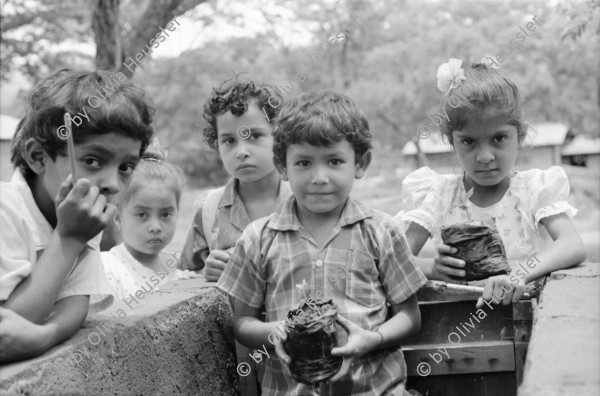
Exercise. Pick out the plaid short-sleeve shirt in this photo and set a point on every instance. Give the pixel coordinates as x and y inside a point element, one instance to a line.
<point>231,219</point>
<point>365,263</point>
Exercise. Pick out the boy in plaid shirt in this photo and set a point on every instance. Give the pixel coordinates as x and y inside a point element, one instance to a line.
<point>343,250</point>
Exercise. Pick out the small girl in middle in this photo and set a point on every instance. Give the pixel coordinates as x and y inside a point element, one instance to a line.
<point>147,218</point>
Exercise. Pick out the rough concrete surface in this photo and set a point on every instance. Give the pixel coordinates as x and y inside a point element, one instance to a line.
<point>564,351</point>
<point>178,340</point>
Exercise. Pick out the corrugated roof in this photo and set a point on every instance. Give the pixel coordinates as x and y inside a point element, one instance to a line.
<point>8,126</point>
<point>582,145</point>
<point>432,145</point>
<point>546,134</point>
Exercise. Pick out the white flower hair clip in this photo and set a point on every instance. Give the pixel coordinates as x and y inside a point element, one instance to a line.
<point>450,75</point>
<point>490,61</point>
<point>157,147</point>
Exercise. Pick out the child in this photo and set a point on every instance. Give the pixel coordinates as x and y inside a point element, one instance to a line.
<point>239,125</point>
<point>147,218</point>
<point>345,251</point>
<point>485,126</point>
<point>49,258</point>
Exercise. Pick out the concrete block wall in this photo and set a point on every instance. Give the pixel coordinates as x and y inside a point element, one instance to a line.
<point>178,340</point>
<point>564,350</point>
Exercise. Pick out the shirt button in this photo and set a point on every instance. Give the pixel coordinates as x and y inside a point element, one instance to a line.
<point>319,263</point>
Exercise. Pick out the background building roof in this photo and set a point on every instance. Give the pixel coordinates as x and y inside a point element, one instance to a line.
<point>539,135</point>
<point>582,145</point>
<point>8,126</point>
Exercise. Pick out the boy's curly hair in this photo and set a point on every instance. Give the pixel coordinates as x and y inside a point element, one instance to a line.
<point>320,118</point>
<point>234,95</point>
<point>109,100</point>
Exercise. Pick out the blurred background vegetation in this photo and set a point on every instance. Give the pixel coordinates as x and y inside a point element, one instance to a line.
<point>383,54</point>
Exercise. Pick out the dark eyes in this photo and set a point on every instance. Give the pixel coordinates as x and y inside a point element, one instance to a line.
<point>92,162</point>
<point>498,139</point>
<point>252,136</point>
<point>95,164</point>
<point>333,162</point>
<point>127,168</point>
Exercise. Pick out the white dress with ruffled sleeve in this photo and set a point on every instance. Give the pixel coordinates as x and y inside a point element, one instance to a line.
<point>433,200</point>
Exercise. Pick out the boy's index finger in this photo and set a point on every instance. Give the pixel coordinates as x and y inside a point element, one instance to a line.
<point>64,189</point>
<point>345,323</point>
<point>81,188</point>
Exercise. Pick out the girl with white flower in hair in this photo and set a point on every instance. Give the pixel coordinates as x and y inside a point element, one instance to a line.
<point>484,124</point>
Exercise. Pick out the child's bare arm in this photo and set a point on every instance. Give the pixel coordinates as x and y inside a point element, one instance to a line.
<point>566,251</point>
<point>68,317</point>
<point>249,330</point>
<point>34,297</point>
<point>416,236</point>
<point>82,212</point>
<point>22,339</point>
<point>406,321</point>
<point>443,266</point>
<point>19,338</point>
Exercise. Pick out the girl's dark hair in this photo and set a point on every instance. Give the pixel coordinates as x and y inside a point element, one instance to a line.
<point>483,88</point>
<point>320,118</point>
<point>235,96</point>
<point>103,101</point>
<point>154,168</point>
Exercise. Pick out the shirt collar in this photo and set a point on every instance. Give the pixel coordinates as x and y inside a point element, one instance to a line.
<point>231,189</point>
<point>238,215</point>
<point>285,218</point>
<point>229,193</point>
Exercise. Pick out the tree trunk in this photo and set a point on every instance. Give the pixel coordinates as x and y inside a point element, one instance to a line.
<point>105,25</point>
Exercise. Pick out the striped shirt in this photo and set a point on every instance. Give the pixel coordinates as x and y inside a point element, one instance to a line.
<point>365,263</point>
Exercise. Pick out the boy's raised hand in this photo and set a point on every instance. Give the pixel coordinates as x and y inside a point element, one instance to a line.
<point>360,342</point>
<point>445,266</point>
<point>215,264</point>
<point>81,211</point>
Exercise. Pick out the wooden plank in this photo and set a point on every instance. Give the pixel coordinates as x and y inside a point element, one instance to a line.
<point>523,320</point>
<point>479,384</point>
<point>249,385</point>
<point>472,357</point>
<point>460,321</point>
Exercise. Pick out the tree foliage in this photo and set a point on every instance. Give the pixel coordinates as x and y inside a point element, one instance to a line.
<point>384,54</point>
